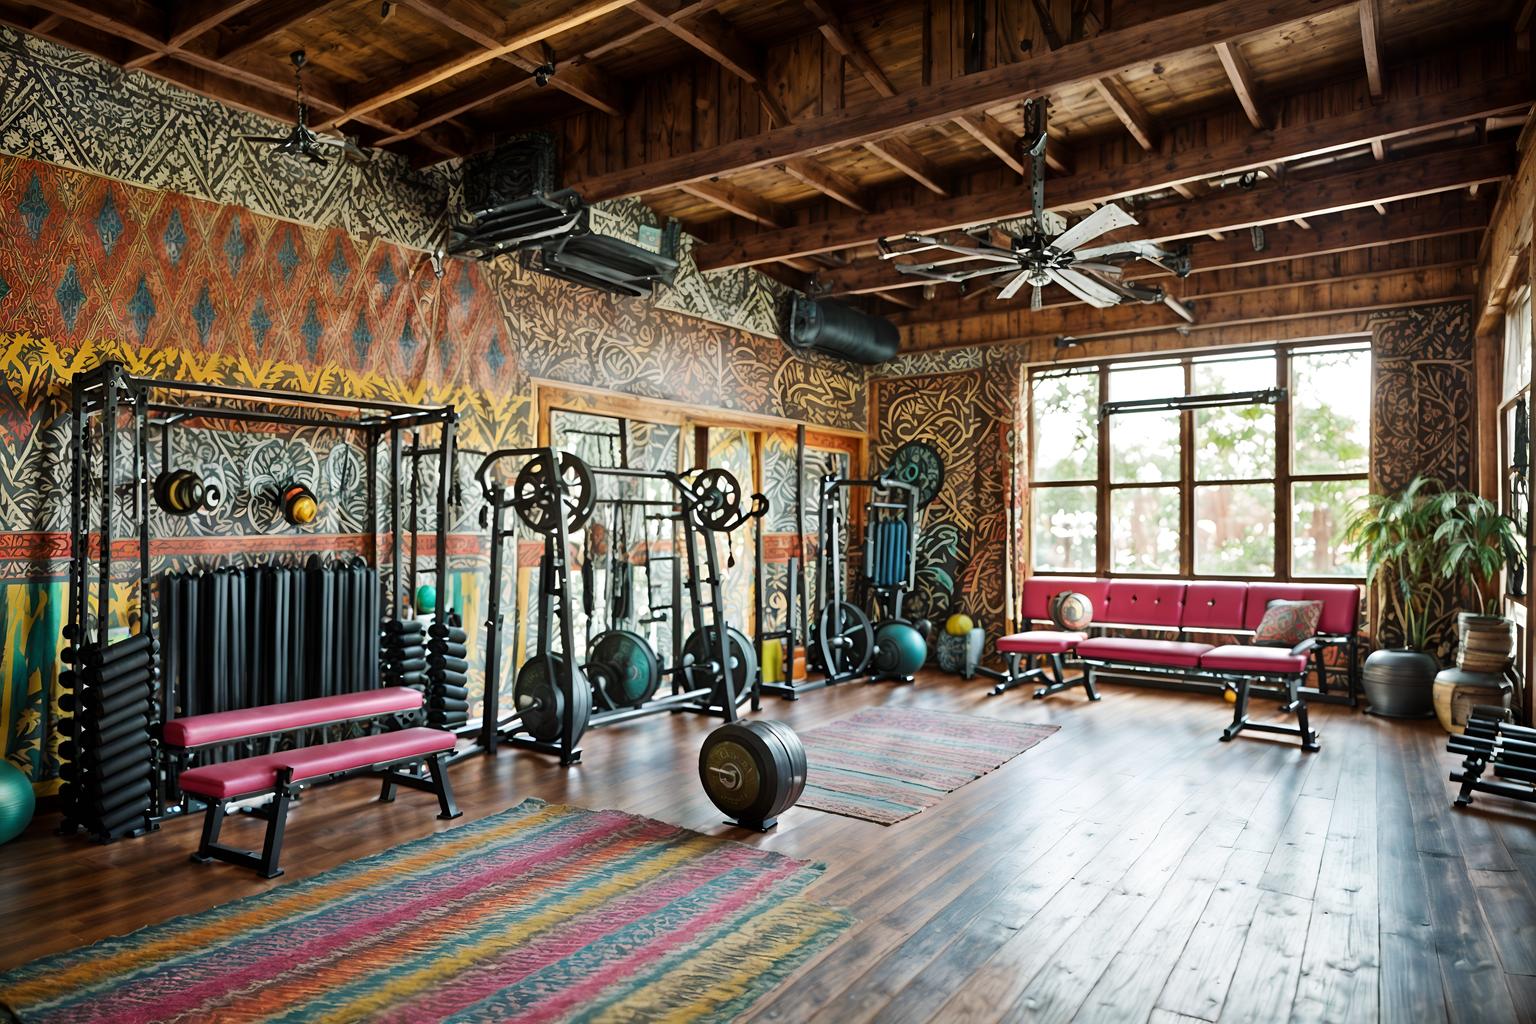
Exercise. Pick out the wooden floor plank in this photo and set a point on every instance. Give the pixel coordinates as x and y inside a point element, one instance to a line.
<point>1265,982</point>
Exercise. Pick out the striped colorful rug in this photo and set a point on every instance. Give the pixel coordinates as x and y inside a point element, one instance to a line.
<point>542,913</point>
<point>886,764</point>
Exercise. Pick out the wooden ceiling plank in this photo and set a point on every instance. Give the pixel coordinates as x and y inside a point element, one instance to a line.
<point>1240,74</point>
<point>997,138</point>
<point>1394,116</point>
<point>536,21</point>
<point>133,20</point>
<point>1370,38</point>
<point>1129,110</point>
<point>844,42</point>
<point>711,35</point>
<point>833,184</point>
<point>738,201</point>
<point>1105,54</point>
<point>266,21</point>
<point>199,16</point>
<point>910,162</point>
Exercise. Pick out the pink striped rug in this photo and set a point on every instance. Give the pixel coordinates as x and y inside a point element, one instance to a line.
<point>886,764</point>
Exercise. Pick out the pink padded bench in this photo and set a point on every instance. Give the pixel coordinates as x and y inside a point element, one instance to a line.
<point>282,773</point>
<point>1184,607</point>
<point>271,719</point>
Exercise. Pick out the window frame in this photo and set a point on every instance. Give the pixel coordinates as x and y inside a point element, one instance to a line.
<point>1283,479</point>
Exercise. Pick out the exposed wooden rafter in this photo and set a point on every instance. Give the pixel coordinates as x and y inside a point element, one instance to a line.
<point>1165,38</point>
<point>1241,77</point>
<point>1370,38</point>
<point>1394,116</point>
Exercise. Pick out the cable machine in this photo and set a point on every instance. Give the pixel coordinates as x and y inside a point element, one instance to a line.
<point>113,691</point>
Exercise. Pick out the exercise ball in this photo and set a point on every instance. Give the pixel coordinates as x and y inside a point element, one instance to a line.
<point>900,649</point>
<point>959,624</point>
<point>16,801</point>
<point>426,599</point>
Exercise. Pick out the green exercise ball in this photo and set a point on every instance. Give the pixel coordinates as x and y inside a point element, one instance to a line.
<point>16,801</point>
<point>426,599</point>
<point>900,649</point>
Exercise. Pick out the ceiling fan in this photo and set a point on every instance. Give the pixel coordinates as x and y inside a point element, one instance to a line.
<point>1045,251</point>
<point>302,141</point>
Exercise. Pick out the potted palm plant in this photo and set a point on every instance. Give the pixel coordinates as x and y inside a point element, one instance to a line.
<point>1476,541</point>
<point>1398,537</point>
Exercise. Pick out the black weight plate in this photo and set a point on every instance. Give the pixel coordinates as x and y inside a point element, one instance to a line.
<point>579,705</point>
<point>795,752</point>
<point>536,490</point>
<point>537,697</point>
<point>852,656</point>
<point>700,649</point>
<point>631,670</point>
<point>719,499</point>
<point>734,765</point>
<point>918,463</point>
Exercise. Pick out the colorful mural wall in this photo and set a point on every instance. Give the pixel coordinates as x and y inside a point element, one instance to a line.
<point>184,288</point>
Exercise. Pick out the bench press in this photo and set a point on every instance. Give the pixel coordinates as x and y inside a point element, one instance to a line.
<point>280,774</point>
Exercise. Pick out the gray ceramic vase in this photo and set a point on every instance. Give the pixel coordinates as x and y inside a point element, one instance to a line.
<point>1400,683</point>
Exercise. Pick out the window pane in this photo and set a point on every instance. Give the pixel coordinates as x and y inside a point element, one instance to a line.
<point>1235,529</point>
<point>1144,447</point>
<point>1065,527</point>
<point>1066,411</point>
<point>1129,382</point>
<point>1320,509</point>
<point>1235,442</point>
<point>1144,529</point>
<point>1330,411</point>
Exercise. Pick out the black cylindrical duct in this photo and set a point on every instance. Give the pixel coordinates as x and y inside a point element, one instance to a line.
<point>839,330</point>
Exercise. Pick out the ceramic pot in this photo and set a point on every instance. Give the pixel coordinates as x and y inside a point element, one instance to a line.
<point>1457,691</point>
<point>1486,643</point>
<point>1399,683</point>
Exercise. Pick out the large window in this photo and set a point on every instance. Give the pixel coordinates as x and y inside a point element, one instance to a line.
<point>1248,487</point>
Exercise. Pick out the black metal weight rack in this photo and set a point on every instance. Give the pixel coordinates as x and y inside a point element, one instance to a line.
<point>115,784</point>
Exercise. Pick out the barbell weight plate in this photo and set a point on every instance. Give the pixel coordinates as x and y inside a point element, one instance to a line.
<point>700,650</point>
<point>541,488</point>
<point>731,773</point>
<point>852,655</point>
<point>631,669</point>
<point>918,463</point>
<point>537,697</point>
<point>798,764</point>
<point>718,493</point>
<point>579,706</point>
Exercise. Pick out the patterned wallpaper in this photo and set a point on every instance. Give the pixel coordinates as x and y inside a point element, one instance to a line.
<point>186,288</point>
<point>72,109</point>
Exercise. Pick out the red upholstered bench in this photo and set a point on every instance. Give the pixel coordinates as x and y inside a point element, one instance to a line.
<point>282,773</point>
<point>1183,608</point>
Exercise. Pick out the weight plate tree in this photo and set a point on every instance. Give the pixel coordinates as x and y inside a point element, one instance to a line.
<point>753,771</point>
<point>623,669</point>
<point>701,653</point>
<point>918,463</point>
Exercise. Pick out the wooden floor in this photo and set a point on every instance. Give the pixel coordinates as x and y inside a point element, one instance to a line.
<point>1129,868</point>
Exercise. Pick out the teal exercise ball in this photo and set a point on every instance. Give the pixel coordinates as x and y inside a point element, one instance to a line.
<point>426,599</point>
<point>16,801</point>
<point>900,649</point>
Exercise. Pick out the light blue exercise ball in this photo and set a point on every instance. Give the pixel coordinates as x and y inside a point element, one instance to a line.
<point>16,801</point>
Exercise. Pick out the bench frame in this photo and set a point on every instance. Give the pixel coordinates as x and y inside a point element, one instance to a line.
<point>1052,670</point>
<point>275,812</point>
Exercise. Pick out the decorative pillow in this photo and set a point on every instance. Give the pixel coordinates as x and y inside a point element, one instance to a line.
<point>1071,611</point>
<point>1288,623</point>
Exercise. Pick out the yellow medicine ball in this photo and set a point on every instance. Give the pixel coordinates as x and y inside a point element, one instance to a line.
<point>959,624</point>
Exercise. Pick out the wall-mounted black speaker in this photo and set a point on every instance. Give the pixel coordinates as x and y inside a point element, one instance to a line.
<point>839,330</point>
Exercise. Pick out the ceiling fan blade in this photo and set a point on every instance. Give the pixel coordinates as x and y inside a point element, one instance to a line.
<point>1084,287</point>
<point>1011,289</point>
<point>1105,218</point>
<point>1108,269</point>
<point>1179,308</point>
<point>1037,300</point>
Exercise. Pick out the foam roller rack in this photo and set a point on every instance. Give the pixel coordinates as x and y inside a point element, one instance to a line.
<point>403,654</point>
<point>109,752</point>
<point>447,675</point>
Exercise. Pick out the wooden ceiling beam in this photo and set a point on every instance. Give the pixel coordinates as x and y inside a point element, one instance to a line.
<point>910,162</point>
<point>1129,110</point>
<point>1360,294</point>
<point>1240,74</point>
<point>833,184</point>
<point>1388,182</point>
<point>533,22</point>
<point>845,43</point>
<point>1394,116</point>
<point>1370,39</point>
<point>1440,217</point>
<point>200,16</point>
<point>1108,53</point>
<point>735,200</point>
<point>998,140</point>
<point>266,21</point>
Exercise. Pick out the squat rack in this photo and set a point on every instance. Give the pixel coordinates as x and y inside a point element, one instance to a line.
<point>103,394</point>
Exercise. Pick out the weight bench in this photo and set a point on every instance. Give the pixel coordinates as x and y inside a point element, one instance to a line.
<point>182,735</point>
<point>282,774</point>
<point>1492,742</point>
<point>1046,650</point>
